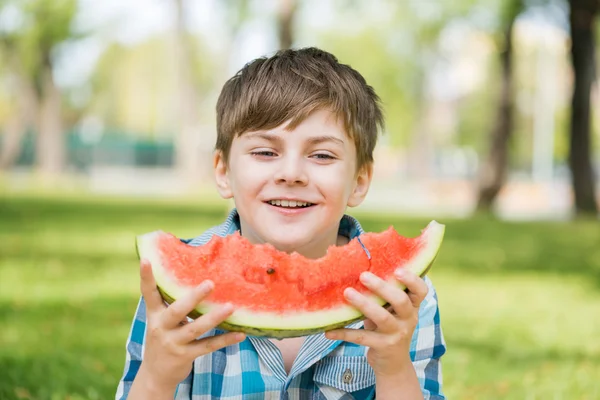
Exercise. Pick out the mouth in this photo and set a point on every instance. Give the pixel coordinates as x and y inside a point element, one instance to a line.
<point>289,203</point>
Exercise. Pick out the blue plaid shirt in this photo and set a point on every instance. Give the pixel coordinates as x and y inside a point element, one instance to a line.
<point>323,369</point>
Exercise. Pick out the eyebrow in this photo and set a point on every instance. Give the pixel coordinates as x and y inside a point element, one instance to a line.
<point>261,135</point>
<point>313,140</point>
<point>325,138</point>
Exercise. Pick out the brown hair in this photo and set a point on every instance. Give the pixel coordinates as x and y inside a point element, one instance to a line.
<point>290,86</point>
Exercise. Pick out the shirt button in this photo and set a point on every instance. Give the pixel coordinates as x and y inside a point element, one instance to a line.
<point>347,377</point>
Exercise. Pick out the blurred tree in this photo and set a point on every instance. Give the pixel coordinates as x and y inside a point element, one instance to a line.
<point>136,87</point>
<point>495,167</point>
<point>582,18</point>
<point>235,15</point>
<point>29,49</point>
<point>20,107</point>
<point>20,118</point>
<point>395,45</point>
<point>285,21</point>
<point>187,141</point>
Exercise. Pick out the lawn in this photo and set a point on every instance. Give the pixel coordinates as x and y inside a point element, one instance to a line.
<point>520,302</point>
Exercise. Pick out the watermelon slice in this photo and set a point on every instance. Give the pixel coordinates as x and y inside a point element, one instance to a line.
<point>281,295</point>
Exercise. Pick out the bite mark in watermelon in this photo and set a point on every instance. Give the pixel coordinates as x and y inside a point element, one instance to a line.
<point>281,295</point>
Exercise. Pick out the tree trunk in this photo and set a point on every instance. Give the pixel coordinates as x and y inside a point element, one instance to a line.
<point>494,170</point>
<point>582,19</point>
<point>13,140</point>
<point>285,19</point>
<point>187,142</point>
<point>51,144</point>
<point>14,131</point>
<point>421,150</point>
<point>22,118</point>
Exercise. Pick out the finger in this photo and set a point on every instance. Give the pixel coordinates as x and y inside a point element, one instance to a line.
<point>390,309</point>
<point>369,325</point>
<point>214,343</point>
<point>392,294</point>
<point>204,323</point>
<point>415,285</point>
<point>400,305</point>
<point>358,336</point>
<point>180,308</point>
<point>152,297</point>
<point>384,320</point>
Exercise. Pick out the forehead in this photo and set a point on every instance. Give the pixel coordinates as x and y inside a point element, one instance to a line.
<point>321,123</point>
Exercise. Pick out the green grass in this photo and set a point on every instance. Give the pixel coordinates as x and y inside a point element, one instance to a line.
<point>520,302</point>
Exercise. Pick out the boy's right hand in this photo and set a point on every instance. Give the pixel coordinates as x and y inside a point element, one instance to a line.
<point>170,347</point>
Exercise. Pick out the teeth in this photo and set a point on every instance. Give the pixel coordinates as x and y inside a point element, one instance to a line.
<point>289,203</point>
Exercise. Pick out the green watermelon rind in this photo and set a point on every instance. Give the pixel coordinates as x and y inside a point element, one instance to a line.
<point>300,324</point>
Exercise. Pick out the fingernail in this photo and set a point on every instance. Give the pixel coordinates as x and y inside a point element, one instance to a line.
<point>400,273</point>
<point>331,335</point>
<point>239,336</point>
<point>351,293</point>
<point>367,277</point>
<point>205,286</point>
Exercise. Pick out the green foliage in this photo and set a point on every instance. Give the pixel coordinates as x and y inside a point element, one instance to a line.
<point>237,12</point>
<point>396,50</point>
<point>518,300</point>
<point>27,47</point>
<point>135,86</point>
<point>45,24</point>
<point>396,83</point>
<point>477,115</point>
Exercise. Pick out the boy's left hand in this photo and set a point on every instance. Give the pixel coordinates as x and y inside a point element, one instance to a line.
<point>387,334</point>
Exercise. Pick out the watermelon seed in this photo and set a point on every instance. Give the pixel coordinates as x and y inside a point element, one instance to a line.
<point>270,271</point>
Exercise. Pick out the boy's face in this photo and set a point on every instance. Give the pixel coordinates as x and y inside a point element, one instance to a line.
<point>272,174</point>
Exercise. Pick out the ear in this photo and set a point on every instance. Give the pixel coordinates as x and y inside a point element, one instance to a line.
<point>221,175</point>
<point>361,185</point>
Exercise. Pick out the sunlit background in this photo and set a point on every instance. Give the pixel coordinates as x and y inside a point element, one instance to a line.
<point>107,127</point>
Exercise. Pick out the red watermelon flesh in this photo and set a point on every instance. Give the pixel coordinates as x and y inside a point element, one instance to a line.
<point>291,294</point>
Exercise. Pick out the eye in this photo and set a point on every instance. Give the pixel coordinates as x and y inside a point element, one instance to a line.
<point>264,153</point>
<point>323,156</point>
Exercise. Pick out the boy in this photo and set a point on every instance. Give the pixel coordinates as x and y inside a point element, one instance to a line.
<point>296,134</point>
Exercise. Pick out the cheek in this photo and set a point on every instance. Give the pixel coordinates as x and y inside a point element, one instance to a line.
<point>337,181</point>
<point>247,178</point>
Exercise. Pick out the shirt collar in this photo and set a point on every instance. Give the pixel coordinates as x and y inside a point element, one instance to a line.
<point>349,226</point>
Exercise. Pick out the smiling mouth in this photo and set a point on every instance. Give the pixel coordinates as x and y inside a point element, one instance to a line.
<point>290,203</point>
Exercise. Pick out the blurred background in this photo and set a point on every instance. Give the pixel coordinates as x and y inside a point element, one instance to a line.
<point>107,126</point>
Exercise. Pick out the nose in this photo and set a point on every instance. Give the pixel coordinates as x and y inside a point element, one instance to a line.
<point>291,171</point>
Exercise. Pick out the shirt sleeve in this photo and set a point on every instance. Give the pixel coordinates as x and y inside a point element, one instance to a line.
<point>134,355</point>
<point>428,346</point>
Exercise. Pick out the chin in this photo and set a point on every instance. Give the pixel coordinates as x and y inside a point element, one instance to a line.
<point>290,244</point>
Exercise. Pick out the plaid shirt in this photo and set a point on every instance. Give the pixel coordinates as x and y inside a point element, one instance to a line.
<point>323,369</point>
